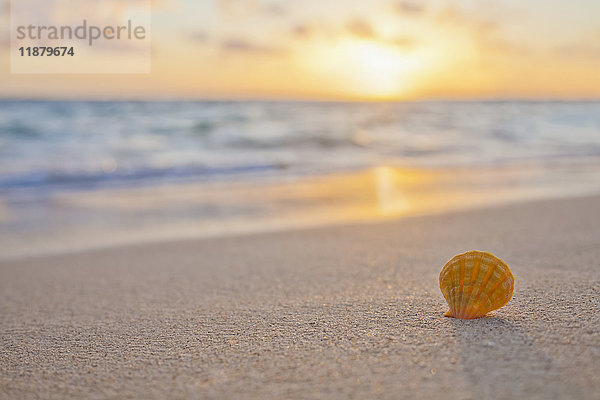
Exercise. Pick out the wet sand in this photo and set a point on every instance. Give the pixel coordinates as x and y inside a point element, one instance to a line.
<point>338,312</point>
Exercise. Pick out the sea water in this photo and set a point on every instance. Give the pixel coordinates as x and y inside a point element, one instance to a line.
<point>134,169</point>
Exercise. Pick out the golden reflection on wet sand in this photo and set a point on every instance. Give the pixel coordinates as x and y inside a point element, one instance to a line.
<point>209,209</point>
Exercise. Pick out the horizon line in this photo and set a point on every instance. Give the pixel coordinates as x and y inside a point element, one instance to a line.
<point>233,99</point>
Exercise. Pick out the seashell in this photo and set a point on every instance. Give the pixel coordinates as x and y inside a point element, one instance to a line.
<point>475,283</point>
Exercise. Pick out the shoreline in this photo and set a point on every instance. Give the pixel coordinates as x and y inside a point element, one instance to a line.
<point>125,239</point>
<point>79,220</point>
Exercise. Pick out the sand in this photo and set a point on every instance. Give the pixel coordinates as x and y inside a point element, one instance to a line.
<point>338,312</point>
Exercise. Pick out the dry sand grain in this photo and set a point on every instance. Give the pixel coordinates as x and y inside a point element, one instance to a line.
<point>341,312</point>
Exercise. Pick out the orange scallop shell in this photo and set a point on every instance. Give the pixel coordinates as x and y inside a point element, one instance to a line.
<point>475,283</point>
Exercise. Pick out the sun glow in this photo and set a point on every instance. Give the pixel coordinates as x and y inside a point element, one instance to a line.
<point>366,69</point>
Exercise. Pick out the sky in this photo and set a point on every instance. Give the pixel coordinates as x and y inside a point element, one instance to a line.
<point>347,50</point>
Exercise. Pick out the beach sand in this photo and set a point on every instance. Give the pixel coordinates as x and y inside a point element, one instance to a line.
<point>337,312</point>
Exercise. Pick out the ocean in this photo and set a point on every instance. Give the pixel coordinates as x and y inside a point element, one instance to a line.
<point>109,172</point>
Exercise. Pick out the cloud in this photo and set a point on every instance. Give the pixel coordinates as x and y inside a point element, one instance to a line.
<point>302,30</point>
<point>487,33</point>
<point>244,8</point>
<point>457,16</point>
<point>587,48</point>
<point>275,9</point>
<point>361,29</point>
<point>409,7</point>
<point>237,45</point>
<point>232,8</point>
<point>364,30</point>
<point>356,27</point>
<point>198,37</point>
